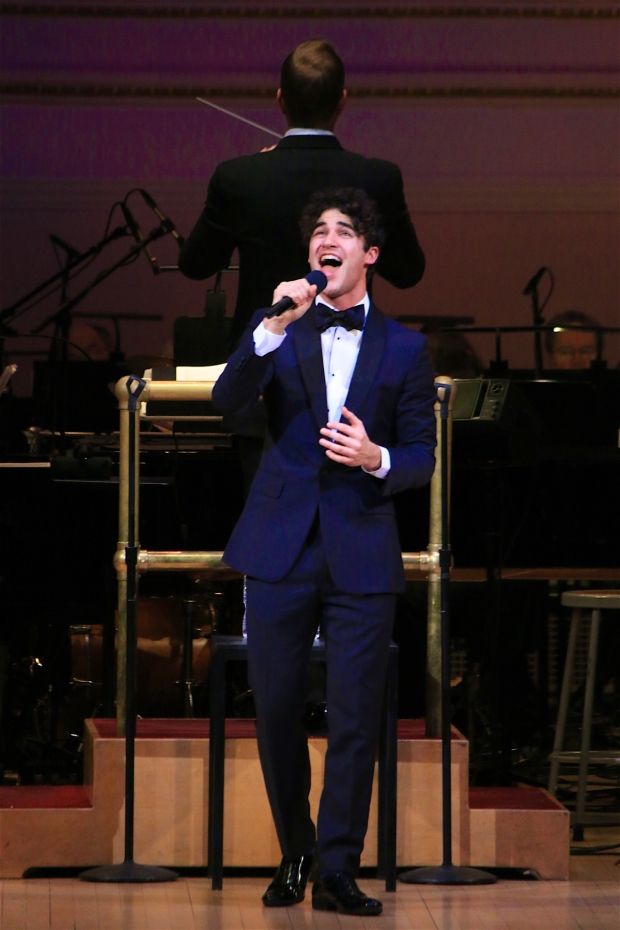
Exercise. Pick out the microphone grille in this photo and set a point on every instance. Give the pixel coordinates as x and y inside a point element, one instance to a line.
<point>317,277</point>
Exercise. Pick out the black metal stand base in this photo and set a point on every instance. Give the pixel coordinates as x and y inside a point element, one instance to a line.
<point>128,872</point>
<point>447,875</point>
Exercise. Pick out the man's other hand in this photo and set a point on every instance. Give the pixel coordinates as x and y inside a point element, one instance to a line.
<point>301,293</point>
<point>349,444</point>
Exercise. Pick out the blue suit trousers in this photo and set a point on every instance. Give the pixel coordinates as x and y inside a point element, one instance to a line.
<point>282,620</point>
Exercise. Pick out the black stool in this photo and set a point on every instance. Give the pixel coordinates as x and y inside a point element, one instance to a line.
<point>594,601</point>
<point>231,648</point>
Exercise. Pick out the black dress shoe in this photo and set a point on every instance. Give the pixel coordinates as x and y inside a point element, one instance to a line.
<point>289,883</point>
<point>338,891</point>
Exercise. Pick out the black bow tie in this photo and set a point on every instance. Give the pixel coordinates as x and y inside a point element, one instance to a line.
<point>353,318</point>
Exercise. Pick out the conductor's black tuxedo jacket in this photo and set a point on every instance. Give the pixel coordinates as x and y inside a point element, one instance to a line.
<point>254,204</point>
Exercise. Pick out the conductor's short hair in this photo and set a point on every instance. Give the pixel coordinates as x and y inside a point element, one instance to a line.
<point>312,82</point>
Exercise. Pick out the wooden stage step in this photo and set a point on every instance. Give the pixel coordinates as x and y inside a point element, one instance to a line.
<point>59,826</point>
<point>35,797</point>
<point>512,799</point>
<point>236,728</point>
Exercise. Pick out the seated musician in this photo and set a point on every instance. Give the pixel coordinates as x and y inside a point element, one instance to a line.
<point>90,339</point>
<point>572,348</point>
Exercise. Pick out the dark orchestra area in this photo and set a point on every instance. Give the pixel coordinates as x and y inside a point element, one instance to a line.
<point>309,464</point>
<point>532,460</point>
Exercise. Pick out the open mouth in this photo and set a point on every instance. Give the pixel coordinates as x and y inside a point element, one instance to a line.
<point>330,260</point>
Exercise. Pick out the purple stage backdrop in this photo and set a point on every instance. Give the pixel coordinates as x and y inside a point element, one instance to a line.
<point>232,48</point>
<point>506,131</point>
<point>430,141</point>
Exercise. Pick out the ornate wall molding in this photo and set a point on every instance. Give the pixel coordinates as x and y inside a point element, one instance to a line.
<point>388,58</point>
<point>42,91</point>
<point>333,10</point>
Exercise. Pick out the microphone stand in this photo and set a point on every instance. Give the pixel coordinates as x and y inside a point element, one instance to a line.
<point>446,873</point>
<point>62,317</point>
<point>157,233</point>
<point>73,261</point>
<point>61,347</point>
<point>128,870</point>
<point>538,322</point>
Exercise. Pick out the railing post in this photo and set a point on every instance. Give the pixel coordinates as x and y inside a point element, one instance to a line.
<point>121,575</point>
<point>433,629</point>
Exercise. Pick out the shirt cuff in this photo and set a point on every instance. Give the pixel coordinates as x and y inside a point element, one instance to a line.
<point>386,464</point>
<point>265,342</point>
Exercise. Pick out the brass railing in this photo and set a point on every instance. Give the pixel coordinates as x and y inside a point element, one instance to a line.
<point>211,562</point>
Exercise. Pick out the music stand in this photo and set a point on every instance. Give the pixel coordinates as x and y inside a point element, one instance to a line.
<point>129,871</point>
<point>446,873</point>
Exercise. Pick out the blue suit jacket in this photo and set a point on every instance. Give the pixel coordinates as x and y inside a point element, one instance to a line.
<point>391,392</point>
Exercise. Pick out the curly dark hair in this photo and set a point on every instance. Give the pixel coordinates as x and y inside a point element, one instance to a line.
<point>356,204</point>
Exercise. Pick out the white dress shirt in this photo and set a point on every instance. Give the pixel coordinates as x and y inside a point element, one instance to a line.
<point>340,350</point>
<point>300,131</point>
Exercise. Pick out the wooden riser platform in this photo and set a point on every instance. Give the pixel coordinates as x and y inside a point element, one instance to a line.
<point>521,827</point>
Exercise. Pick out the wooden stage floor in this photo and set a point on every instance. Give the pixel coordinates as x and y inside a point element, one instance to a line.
<point>589,901</point>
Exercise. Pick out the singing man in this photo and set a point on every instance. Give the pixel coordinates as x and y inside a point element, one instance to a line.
<point>349,399</point>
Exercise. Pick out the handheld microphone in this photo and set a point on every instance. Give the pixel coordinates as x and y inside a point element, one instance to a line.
<point>313,277</point>
<point>137,234</point>
<point>533,283</point>
<point>169,225</point>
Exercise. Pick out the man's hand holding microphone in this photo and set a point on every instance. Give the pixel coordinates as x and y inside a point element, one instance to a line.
<point>291,299</point>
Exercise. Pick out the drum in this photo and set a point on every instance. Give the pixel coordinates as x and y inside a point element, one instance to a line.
<point>161,627</point>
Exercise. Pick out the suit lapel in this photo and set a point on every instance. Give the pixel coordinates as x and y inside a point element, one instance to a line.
<point>368,360</point>
<point>310,357</point>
